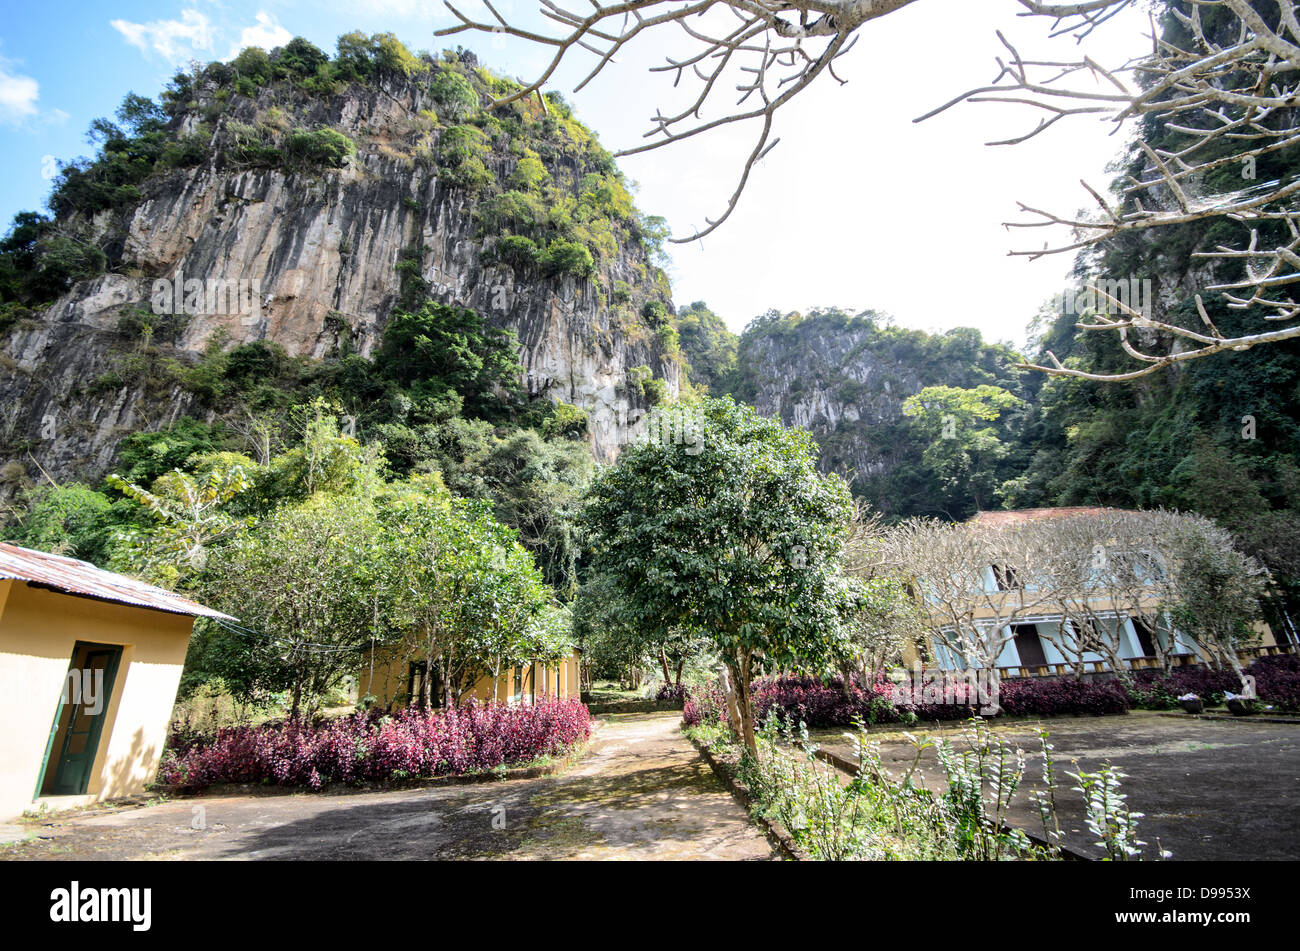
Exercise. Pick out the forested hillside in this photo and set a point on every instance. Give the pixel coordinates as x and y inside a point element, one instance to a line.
<point>322,196</point>
<point>440,289</point>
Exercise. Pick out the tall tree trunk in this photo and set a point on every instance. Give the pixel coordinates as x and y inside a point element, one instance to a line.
<point>739,701</point>
<point>426,688</point>
<point>744,700</point>
<point>681,664</point>
<point>846,674</point>
<point>663,661</point>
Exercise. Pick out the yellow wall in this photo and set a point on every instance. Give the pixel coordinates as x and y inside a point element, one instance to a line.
<point>38,632</point>
<point>388,682</point>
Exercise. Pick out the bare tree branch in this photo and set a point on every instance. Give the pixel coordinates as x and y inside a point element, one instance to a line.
<point>1215,99</point>
<point>771,50</point>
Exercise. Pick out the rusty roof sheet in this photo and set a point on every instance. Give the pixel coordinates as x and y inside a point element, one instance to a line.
<point>82,578</point>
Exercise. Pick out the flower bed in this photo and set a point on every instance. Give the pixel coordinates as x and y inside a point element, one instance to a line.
<point>1054,697</point>
<point>1277,680</point>
<point>1156,690</point>
<point>819,705</point>
<point>369,747</point>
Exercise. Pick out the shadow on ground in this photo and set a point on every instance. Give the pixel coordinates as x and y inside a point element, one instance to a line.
<point>640,792</point>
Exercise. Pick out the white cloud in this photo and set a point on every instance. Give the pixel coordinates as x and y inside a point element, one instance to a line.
<point>268,34</point>
<point>168,37</point>
<point>18,95</point>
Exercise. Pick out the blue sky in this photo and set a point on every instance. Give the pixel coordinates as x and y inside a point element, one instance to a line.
<point>857,207</point>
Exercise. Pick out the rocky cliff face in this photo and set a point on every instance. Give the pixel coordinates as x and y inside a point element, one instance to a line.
<point>309,259</point>
<point>845,379</point>
<point>837,381</point>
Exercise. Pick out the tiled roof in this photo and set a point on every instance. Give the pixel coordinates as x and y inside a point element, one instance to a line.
<point>81,578</point>
<point>999,517</point>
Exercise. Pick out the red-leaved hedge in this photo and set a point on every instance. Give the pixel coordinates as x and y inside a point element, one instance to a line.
<point>370,747</point>
<point>819,704</point>
<point>1053,696</point>
<point>1277,680</point>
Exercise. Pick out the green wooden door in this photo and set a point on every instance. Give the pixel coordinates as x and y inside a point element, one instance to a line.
<point>80,719</point>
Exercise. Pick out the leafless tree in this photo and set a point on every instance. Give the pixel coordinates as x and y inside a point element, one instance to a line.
<point>768,50</point>
<point>1220,96</point>
<point>1227,93</point>
<point>1100,570</point>
<point>968,582</point>
<point>887,619</point>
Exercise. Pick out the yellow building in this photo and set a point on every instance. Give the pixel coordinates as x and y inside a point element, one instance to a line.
<point>89,663</point>
<point>394,680</point>
<point>1036,642</point>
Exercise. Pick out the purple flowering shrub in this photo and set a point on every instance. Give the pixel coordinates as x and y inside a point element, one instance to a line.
<point>826,704</point>
<point>705,706</point>
<point>1277,680</point>
<point>1047,696</point>
<point>672,692</point>
<point>372,747</point>
<point>1156,690</point>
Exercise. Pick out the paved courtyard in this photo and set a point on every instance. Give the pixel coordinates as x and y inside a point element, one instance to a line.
<point>1209,789</point>
<point>640,792</point>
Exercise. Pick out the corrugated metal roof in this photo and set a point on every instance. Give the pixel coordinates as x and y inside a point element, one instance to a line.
<point>82,578</point>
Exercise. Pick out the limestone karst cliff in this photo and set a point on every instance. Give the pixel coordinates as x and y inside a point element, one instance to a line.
<point>316,209</point>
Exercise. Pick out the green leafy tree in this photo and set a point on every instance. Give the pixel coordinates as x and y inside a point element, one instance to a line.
<point>442,348</point>
<point>740,537</point>
<point>454,95</point>
<point>963,442</point>
<point>74,520</point>
<point>709,347</point>
<point>191,515</point>
<point>301,581</point>
<point>468,593</point>
<point>1216,589</point>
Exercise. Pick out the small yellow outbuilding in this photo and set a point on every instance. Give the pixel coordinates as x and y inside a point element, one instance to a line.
<point>90,662</point>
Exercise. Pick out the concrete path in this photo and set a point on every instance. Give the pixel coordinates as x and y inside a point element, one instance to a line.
<point>640,792</point>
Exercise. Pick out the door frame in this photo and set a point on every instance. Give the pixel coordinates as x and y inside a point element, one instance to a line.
<point>110,678</point>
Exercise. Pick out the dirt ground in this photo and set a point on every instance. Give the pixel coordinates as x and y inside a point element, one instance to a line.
<point>1208,789</point>
<point>640,792</point>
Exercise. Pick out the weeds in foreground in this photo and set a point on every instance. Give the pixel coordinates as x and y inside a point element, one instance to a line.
<point>875,814</point>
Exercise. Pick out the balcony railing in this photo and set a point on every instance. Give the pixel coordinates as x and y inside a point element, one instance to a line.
<point>1139,663</point>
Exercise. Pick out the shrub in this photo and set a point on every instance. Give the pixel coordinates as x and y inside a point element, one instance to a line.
<point>1277,680</point>
<point>1156,690</point>
<point>705,706</point>
<point>323,148</point>
<point>822,704</point>
<point>1047,697</point>
<point>462,153</point>
<point>372,747</point>
<point>529,172</point>
<point>454,95</point>
<point>655,314</point>
<point>672,692</point>
<point>568,257</point>
<point>566,422</point>
<point>516,251</point>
